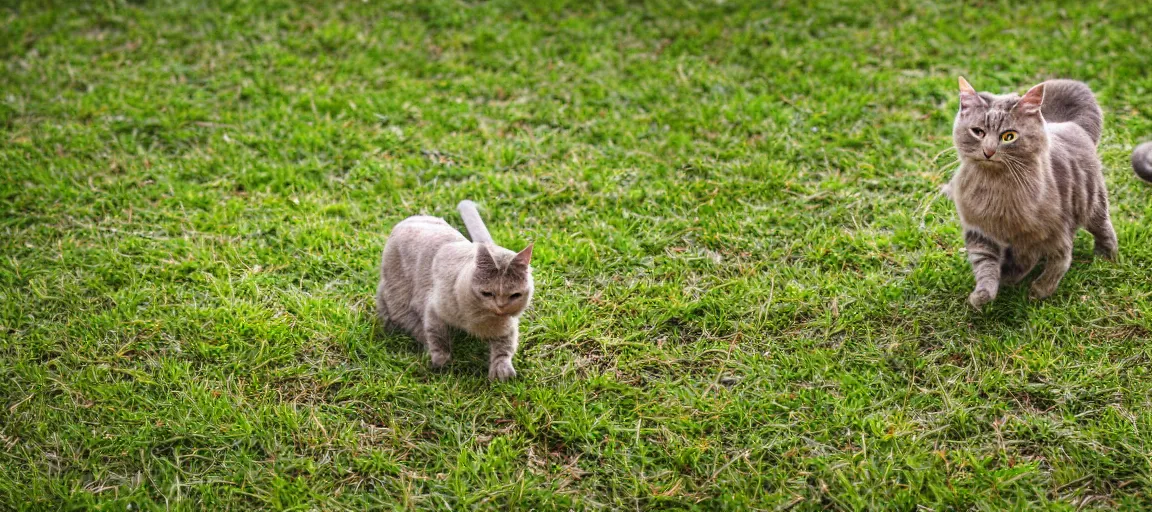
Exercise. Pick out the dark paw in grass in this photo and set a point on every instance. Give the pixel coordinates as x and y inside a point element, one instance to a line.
<point>1041,291</point>
<point>439,359</point>
<point>1106,252</point>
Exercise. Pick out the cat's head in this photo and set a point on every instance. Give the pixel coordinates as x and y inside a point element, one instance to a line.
<point>1002,129</point>
<point>502,281</point>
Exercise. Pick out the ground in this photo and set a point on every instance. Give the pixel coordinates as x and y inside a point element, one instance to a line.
<point>750,290</point>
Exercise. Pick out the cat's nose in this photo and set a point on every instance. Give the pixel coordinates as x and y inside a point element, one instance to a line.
<point>988,153</point>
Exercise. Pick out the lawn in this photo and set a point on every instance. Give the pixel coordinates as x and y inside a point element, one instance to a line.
<point>750,291</point>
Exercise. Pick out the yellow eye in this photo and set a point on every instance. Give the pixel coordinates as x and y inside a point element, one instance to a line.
<point>1008,136</point>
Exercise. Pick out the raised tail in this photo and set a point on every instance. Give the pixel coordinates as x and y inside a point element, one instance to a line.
<point>1069,101</point>
<point>1142,161</point>
<point>476,229</point>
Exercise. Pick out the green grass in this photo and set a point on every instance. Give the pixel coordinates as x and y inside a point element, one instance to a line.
<point>750,292</point>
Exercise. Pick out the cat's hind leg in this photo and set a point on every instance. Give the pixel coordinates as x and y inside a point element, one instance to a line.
<point>381,304</point>
<point>1056,264</point>
<point>1100,225</point>
<point>400,315</point>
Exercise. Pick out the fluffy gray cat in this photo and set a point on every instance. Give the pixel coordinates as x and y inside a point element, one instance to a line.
<point>432,278</point>
<point>1142,161</point>
<point>1029,177</point>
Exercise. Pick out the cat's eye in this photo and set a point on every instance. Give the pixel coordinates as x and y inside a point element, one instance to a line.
<point>486,294</point>
<point>1009,136</point>
<point>978,132</point>
<point>515,295</point>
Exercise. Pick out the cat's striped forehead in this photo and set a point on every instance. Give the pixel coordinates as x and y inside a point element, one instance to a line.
<point>999,108</point>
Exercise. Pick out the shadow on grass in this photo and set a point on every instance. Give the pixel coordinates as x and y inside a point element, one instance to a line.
<point>1013,309</point>
<point>469,354</point>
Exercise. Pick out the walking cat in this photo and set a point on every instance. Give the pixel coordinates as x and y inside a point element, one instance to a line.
<point>432,278</point>
<point>1029,177</point>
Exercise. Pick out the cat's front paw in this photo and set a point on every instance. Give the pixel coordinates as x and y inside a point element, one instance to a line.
<point>440,358</point>
<point>979,297</point>
<point>501,371</point>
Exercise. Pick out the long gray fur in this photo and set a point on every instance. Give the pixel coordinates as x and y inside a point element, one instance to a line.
<point>1022,200</point>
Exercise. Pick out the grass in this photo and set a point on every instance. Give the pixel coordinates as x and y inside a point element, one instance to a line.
<point>750,292</point>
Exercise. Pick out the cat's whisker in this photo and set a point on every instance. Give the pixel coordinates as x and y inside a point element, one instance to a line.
<point>1013,171</point>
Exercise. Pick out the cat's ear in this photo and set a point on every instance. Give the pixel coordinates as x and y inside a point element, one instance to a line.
<point>523,258</point>
<point>968,96</point>
<point>1031,101</point>
<point>484,261</point>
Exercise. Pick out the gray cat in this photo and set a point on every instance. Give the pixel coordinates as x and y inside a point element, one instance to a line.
<point>432,278</point>
<point>1029,177</point>
<point>1142,161</point>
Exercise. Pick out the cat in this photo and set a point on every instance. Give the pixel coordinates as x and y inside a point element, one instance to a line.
<point>1029,177</point>
<point>432,278</point>
<point>1142,161</point>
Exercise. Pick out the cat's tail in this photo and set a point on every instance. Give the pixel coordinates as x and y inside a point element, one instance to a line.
<point>1069,101</point>
<point>476,229</point>
<point>1142,161</point>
